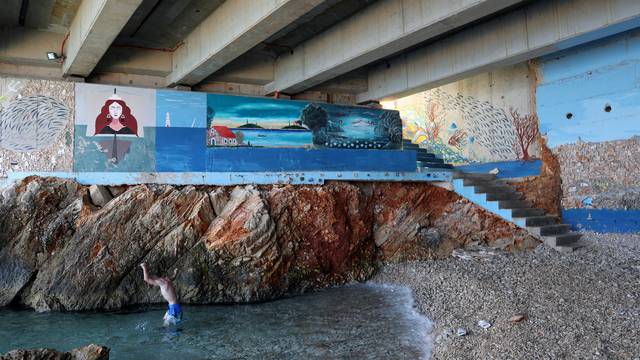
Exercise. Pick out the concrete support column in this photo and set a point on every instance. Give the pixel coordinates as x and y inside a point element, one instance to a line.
<point>93,29</point>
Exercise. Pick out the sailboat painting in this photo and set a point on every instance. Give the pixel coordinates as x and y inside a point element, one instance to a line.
<point>180,123</point>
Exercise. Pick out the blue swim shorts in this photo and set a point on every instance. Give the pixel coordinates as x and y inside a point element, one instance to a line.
<point>174,314</point>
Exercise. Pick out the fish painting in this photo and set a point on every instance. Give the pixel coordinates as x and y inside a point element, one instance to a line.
<point>32,123</point>
<point>486,125</point>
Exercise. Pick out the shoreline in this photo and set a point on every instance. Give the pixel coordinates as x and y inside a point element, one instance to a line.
<point>581,305</point>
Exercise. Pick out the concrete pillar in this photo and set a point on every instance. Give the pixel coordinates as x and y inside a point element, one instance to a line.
<point>230,31</point>
<point>93,29</point>
<point>379,30</point>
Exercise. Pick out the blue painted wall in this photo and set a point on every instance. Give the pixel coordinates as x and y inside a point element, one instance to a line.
<point>276,160</point>
<point>582,82</point>
<point>588,103</point>
<point>506,169</point>
<point>603,220</point>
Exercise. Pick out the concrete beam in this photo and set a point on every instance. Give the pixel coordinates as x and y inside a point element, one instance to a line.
<point>10,13</point>
<point>38,14</point>
<point>250,68</point>
<point>23,46</point>
<point>379,30</point>
<point>540,28</point>
<point>135,61</point>
<point>93,29</point>
<point>230,31</point>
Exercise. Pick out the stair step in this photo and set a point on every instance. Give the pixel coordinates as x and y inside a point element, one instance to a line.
<point>430,160</point>
<point>520,213</point>
<point>476,176</point>
<point>504,196</point>
<point>540,220</point>
<point>480,182</point>
<point>435,165</point>
<point>549,230</point>
<point>514,204</point>
<point>570,247</point>
<point>562,239</point>
<point>489,187</point>
<point>426,156</point>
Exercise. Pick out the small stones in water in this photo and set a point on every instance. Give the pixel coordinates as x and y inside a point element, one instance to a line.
<point>484,324</point>
<point>461,332</point>
<point>518,318</point>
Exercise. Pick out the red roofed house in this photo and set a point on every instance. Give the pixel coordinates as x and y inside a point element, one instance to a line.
<point>221,136</point>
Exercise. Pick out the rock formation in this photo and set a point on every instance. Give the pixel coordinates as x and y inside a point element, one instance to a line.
<point>60,252</point>
<point>89,352</point>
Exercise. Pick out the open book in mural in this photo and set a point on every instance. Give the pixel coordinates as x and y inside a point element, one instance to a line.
<point>115,118</point>
<point>238,121</point>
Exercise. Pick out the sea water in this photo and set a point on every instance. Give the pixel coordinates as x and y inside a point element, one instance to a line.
<point>352,322</point>
<point>276,138</point>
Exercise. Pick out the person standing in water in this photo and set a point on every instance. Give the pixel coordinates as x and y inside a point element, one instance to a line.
<point>174,314</point>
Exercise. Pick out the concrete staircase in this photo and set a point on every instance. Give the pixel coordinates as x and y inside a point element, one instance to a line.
<point>503,200</point>
<point>425,159</point>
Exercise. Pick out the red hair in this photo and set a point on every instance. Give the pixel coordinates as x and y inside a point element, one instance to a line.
<point>127,119</point>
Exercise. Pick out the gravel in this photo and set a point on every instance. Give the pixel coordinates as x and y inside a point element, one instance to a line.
<point>582,305</point>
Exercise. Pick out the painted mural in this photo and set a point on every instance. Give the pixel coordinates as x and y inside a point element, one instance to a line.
<point>463,129</point>
<point>115,128</point>
<point>125,129</point>
<point>486,118</point>
<point>36,125</point>
<point>181,118</point>
<point>238,121</point>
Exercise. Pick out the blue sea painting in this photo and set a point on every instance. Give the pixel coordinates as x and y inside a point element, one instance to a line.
<point>267,138</point>
<point>184,109</point>
<point>246,121</point>
<point>114,154</point>
<point>180,150</point>
<point>250,159</point>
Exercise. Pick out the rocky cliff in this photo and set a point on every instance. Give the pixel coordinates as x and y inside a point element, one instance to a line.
<point>89,352</point>
<point>59,251</point>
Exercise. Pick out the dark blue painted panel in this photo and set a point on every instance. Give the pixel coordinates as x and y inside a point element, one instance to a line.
<point>508,169</point>
<point>180,149</point>
<point>292,159</point>
<point>603,220</point>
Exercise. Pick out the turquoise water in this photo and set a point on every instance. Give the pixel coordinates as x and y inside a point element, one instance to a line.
<point>352,322</point>
<point>276,138</point>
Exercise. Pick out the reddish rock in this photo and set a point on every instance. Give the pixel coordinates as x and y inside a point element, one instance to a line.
<point>417,221</point>
<point>544,191</point>
<point>241,244</point>
<point>327,230</point>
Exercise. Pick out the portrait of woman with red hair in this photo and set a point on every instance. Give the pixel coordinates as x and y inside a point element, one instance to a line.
<point>116,118</point>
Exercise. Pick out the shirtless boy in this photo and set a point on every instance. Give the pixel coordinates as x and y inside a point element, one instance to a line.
<point>174,314</point>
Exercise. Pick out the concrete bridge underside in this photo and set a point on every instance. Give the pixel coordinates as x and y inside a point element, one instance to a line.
<point>366,49</point>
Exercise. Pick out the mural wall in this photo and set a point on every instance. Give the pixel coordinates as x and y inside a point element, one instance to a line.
<point>36,125</point>
<point>261,122</point>
<point>589,106</point>
<point>485,118</point>
<point>124,129</point>
<point>115,128</point>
